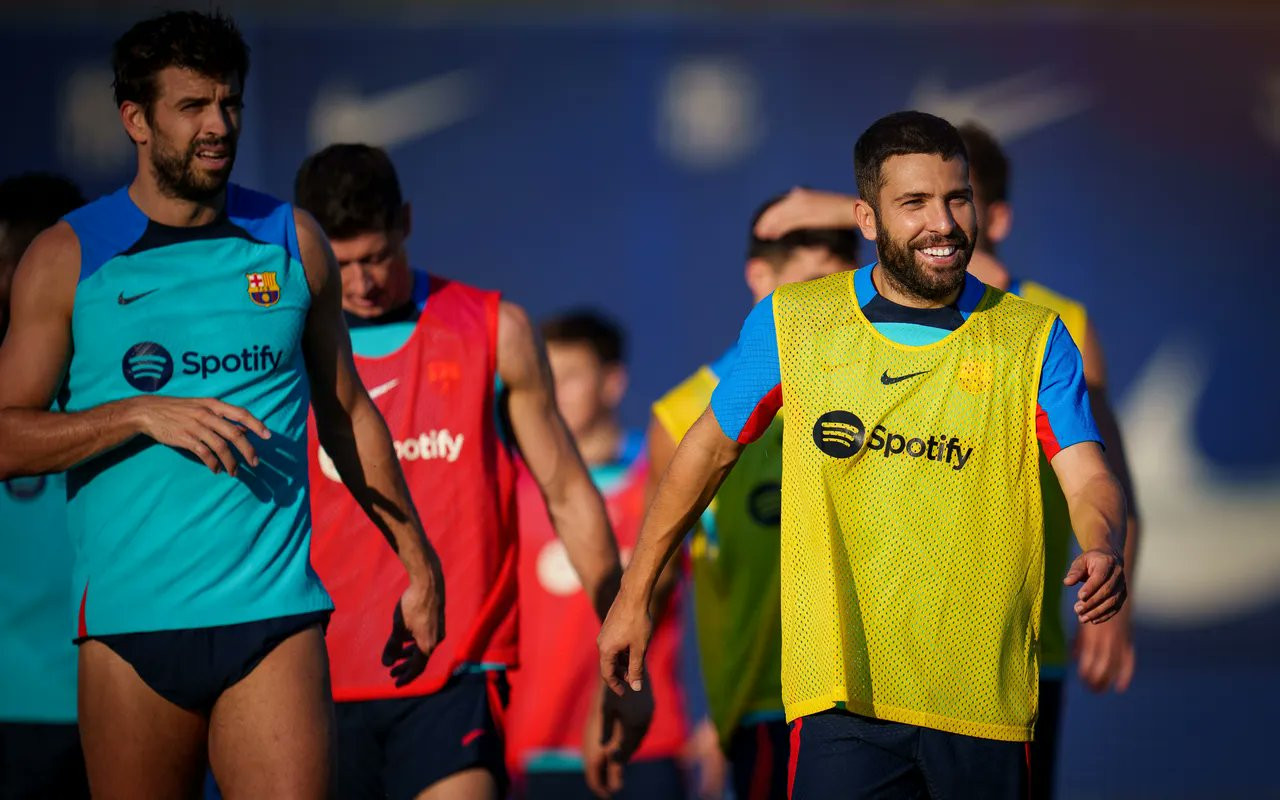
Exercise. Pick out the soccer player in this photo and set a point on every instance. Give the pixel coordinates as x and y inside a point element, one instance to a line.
<point>40,753</point>
<point>451,367</point>
<point>912,547</point>
<point>553,692</point>
<point>735,548</point>
<point>183,322</point>
<point>1104,651</point>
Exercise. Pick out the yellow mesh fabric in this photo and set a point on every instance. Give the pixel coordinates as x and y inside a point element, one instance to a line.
<point>912,546</point>
<point>1057,519</point>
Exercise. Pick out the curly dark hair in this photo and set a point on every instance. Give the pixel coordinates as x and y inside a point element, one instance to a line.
<point>209,44</point>
<point>350,189</point>
<point>900,134</point>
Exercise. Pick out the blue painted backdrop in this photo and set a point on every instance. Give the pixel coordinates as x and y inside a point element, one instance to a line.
<point>616,164</point>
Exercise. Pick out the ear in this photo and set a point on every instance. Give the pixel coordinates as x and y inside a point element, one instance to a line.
<point>761,277</point>
<point>615,385</point>
<point>999,222</point>
<point>406,219</point>
<point>865,216</point>
<point>134,118</point>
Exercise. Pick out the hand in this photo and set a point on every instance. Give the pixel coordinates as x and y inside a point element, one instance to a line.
<point>615,728</point>
<point>1104,591</point>
<point>1104,653</point>
<point>417,626</point>
<point>805,208</point>
<point>702,755</point>
<point>623,640</point>
<point>203,426</point>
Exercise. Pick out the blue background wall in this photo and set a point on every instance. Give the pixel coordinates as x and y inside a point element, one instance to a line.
<point>616,162</point>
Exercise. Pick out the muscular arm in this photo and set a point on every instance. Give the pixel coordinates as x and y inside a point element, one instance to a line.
<point>701,462</point>
<point>576,509</point>
<point>33,363</point>
<point>354,434</point>
<point>1096,503</point>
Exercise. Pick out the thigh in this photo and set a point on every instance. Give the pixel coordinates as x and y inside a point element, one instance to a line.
<point>957,767</point>
<point>447,744</point>
<point>39,761</point>
<point>271,733</point>
<point>840,755</point>
<point>136,743</point>
<point>1044,749</point>
<point>758,755</point>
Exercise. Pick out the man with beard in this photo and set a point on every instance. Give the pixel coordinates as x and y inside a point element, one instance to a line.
<point>184,322</point>
<point>39,742</point>
<point>912,550</point>
<point>1104,652</point>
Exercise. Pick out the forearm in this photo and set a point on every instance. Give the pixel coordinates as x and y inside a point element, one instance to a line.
<point>361,448</point>
<point>691,481</point>
<point>1098,514</point>
<point>1109,427</point>
<point>36,442</point>
<point>578,514</point>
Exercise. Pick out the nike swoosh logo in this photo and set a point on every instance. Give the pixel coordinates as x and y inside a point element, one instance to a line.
<point>887,381</point>
<point>124,301</point>
<point>394,116</point>
<point>380,390</point>
<point>1010,107</point>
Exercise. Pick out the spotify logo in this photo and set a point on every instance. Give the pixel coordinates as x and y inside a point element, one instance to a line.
<point>839,434</point>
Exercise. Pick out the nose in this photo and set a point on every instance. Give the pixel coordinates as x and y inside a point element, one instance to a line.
<point>941,220</point>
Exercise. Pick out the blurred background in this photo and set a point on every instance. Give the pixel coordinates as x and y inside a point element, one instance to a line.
<point>611,155</point>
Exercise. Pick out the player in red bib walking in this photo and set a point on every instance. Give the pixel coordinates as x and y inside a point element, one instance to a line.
<point>444,362</point>
<point>552,694</point>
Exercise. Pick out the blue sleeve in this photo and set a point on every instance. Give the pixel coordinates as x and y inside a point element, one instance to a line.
<point>750,394</point>
<point>1063,416</point>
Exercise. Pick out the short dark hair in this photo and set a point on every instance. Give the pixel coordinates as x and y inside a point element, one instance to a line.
<point>29,203</point>
<point>350,189</point>
<point>841,242</point>
<point>988,165</point>
<point>589,327</point>
<point>900,134</point>
<point>209,44</point>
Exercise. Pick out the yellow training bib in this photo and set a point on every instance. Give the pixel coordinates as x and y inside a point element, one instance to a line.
<point>912,541</point>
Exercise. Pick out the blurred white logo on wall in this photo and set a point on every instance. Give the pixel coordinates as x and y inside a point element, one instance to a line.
<point>1010,107</point>
<point>1269,109</point>
<point>341,113</point>
<point>91,139</point>
<point>1210,548</point>
<point>709,113</point>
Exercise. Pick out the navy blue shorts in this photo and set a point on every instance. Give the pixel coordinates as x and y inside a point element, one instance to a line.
<point>838,755</point>
<point>641,780</point>
<point>1044,750</point>
<point>758,754</point>
<point>396,748</point>
<point>40,761</point>
<point>192,667</point>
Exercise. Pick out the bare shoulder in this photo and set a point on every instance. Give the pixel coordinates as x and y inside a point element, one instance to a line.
<point>48,272</point>
<point>519,355</point>
<point>313,246</point>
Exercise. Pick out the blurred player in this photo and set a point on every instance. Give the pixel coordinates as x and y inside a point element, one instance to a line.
<point>1104,651</point>
<point>912,554</point>
<point>183,322</point>
<point>735,548</point>
<point>444,361</point>
<point>553,691</point>
<point>40,753</point>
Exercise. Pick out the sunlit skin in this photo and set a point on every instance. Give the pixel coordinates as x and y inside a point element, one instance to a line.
<point>186,145</point>
<point>376,277</point>
<point>802,264</point>
<point>925,204</point>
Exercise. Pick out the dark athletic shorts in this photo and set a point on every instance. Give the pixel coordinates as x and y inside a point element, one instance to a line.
<point>192,667</point>
<point>1044,750</point>
<point>841,756</point>
<point>39,761</point>
<point>641,780</point>
<point>758,754</point>
<point>396,748</point>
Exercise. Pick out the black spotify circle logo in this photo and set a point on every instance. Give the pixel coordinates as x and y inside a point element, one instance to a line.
<point>147,366</point>
<point>764,504</point>
<point>839,434</point>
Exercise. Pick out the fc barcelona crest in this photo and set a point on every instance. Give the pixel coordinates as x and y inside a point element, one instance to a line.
<point>263,289</point>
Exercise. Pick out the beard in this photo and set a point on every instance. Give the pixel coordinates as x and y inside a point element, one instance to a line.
<point>900,263</point>
<point>178,176</point>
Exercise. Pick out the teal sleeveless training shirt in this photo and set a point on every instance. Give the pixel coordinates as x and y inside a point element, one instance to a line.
<point>211,311</point>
